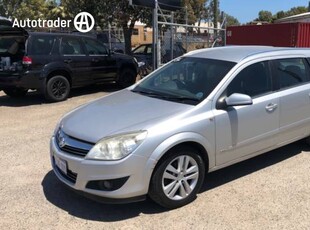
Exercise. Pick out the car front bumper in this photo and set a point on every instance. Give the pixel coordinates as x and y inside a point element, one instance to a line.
<point>77,173</point>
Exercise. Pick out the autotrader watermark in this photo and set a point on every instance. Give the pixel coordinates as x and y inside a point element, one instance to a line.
<point>83,22</point>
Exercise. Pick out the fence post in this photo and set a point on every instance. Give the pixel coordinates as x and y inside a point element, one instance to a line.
<point>155,35</point>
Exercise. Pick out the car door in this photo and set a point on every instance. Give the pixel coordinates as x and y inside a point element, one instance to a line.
<point>74,58</point>
<point>246,130</point>
<point>103,65</point>
<point>293,77</point>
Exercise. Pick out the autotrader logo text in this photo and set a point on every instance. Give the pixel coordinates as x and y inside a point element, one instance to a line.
<point>83,22</point>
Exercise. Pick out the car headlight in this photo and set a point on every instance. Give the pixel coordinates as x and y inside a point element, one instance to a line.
<point>116,147</point>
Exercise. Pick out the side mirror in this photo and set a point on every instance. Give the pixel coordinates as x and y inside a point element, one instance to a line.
<point>235,99</point>
<point>238,99</point>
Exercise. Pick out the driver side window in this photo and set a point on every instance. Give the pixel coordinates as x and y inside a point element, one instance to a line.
<point>254,80</point>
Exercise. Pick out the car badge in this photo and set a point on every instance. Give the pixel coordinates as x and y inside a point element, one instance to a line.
<point>61,140</point>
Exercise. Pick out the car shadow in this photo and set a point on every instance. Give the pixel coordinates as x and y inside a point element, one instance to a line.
<point>79,206</point>
<point>63,197</point>
<point>35,98</point>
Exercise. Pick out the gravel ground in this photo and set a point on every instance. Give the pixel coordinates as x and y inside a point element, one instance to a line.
<point>271,191</point>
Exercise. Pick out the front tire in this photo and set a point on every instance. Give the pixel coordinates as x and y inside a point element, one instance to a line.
<point>127,78</point>
<point>16,92</point>
<point>57,88</point>
<point>177,178</point>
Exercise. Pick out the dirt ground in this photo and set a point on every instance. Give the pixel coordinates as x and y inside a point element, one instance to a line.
<point>271,191</point>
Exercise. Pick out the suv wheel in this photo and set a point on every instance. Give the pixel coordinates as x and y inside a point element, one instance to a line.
<point>57,88</point>
<point>15,92</point>
<point>177,178</point>
<point>127,78</point>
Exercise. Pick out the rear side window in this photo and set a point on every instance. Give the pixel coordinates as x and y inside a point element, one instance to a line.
<point>291,72</point>
<point>71,46</point>
<point>254,80</point>
<point>94,47</point>
<point>42,45</point>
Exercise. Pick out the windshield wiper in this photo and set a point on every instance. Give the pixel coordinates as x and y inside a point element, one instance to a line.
<point>167,97</point>
<point>182,98</point>
<point>148,93</point>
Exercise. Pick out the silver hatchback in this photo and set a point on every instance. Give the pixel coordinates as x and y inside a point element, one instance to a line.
<point>201,112</point>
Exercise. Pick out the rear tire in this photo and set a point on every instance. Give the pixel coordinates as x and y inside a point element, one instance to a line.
<point>127,78</point>
<point>16,92</point>
<point>57,89</point>
<point>178,177</point>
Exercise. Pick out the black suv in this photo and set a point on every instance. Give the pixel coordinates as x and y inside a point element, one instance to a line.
<point>53,63</point>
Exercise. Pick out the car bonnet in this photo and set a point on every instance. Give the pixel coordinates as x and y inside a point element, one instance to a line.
<point>120,112</point>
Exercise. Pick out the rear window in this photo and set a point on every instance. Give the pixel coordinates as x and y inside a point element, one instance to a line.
<point>12,45</point>
<point>42,45</point>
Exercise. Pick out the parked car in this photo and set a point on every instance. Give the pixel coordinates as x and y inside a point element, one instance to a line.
<point>143,53</point>
<point>53,63</point>
<point>204,111</point>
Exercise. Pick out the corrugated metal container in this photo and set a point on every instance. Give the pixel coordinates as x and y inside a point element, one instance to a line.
<point>282,35</point>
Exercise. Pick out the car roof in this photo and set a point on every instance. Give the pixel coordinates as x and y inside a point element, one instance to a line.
<point>239,53</point>
<point>59,34</point>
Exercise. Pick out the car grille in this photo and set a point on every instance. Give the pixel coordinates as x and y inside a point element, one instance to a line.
<point>72,145</point>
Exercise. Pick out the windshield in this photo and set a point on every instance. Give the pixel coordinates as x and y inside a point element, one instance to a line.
<point>185,80</point>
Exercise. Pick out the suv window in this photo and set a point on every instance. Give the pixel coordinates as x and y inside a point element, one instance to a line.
<point>71,46</point>
<point>12,46</point>
<point>291,72</point>
<point>42,45</point>
<point>94,47</point>
<point>253,80</point>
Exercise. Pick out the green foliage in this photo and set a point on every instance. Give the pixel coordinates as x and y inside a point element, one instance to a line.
<point>267,16</point>
<point>32,9</point>
<point>231,21</point>
<point>294,11</point>
<point>9,7</point>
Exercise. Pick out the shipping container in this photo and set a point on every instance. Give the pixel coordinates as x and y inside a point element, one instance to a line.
<point>282,35</point>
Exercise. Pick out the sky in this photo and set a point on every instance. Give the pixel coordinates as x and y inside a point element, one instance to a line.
<point>247,10</point>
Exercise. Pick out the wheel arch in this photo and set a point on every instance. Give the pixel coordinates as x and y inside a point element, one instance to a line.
<point>61,72</point>
<point>193,140</point>
<point>128,66</point>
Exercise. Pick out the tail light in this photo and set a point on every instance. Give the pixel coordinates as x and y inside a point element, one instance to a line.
<point>27,60</point>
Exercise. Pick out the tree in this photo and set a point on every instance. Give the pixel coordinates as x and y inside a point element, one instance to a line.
<point>126,16</point>
<point>32,9</point>
<point>265,16</point>
<point>118,12</point>
<point>231,21</point>
<point>9,7</point>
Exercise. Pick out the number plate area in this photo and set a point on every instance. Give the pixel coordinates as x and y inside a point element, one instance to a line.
<point>61,164</point>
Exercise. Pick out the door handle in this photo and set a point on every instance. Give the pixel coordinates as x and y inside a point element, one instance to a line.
<point>95,60</point>
<point>67,61</point>
<point>271,107</point>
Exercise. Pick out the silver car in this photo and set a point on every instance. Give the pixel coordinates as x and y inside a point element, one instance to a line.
<point>201,112</point>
